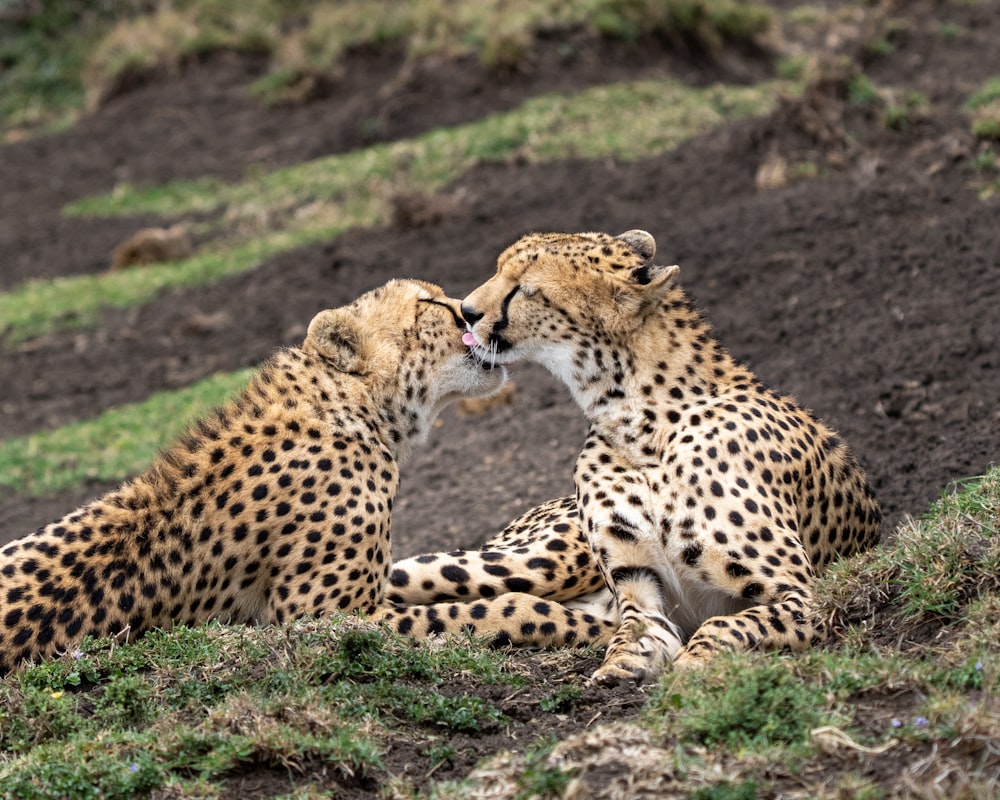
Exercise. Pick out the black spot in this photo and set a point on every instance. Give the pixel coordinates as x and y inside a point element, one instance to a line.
<point>399,577</point>
<point>691,554</point>
<point>454,574</point>
<point>518,585</point>
<point>737,570</point>
<point>752,591</point>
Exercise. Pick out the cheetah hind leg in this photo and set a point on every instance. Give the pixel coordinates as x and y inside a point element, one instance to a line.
<point>785,623</point>
<point>543,552</point>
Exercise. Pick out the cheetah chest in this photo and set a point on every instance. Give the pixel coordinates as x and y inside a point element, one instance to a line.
<point>663,528</point>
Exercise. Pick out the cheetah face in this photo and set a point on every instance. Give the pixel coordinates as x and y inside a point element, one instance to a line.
<point>555,293</point>
<point>404,341</point>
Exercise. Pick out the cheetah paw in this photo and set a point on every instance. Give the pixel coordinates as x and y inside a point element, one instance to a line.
<point>637,662</point>
<point>614,674</point>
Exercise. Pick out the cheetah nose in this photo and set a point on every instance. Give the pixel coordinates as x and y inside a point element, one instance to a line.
<point>470,314</point>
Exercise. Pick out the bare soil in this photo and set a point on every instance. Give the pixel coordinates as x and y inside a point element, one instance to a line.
<point>870,292</point>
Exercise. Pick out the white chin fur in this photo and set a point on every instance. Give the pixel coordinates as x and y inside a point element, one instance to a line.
<point>484,380</point>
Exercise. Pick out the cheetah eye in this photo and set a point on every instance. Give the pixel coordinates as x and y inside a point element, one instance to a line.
<point>459,322</point>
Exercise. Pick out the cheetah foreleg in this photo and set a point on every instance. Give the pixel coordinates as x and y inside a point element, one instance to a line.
<point>647,639</point>
<point>785,623</point>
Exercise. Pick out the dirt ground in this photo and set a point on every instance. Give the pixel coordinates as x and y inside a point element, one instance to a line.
<point>869,292</point>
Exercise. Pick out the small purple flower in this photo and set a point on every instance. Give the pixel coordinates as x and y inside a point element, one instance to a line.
<point>920,722</point>
<point>78,654</point>
<point>896,723</point>
<point>979,666</point>
<point>133,768</point>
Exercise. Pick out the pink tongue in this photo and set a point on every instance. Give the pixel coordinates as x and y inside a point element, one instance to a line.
<point>468,339</point>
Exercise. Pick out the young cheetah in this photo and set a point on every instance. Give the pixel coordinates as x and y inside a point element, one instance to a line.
<point>278,505</point>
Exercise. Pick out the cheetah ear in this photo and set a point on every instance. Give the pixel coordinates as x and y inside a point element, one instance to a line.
<point>335,335</point>
<point>656,278</point>
<point>650,284</point>
<point>641,241</point>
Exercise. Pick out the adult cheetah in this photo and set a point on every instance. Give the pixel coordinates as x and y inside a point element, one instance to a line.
<point>709,500</point>
<point>278,505</point>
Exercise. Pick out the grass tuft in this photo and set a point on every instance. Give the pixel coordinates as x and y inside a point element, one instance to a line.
<point>757,706</point>
<point>308,42</point>
<point>160,41</point>
<point>984,106</point>
<point>932,570</point>
<point>705,24</point>
<point>43,53</point>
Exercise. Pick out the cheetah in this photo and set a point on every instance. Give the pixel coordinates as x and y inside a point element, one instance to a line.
<point>709,500</point>
<point>278,505</point>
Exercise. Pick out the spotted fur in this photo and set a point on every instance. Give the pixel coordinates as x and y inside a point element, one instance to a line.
<point>278,505</point>
<point>709,500</point>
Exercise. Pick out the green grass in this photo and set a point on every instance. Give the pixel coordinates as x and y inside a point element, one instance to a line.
<point>119,443</point>
<point>539,777</point>
<point>936,566</point>
<point>662,113</point>
<point>70,53</point>
<point>186,708</point>
<point>984,106</point>
<point>318,199</point>
<point>74,303</point>
<point>987,94</point>
<point>757,708</point>
<point>43,58</point>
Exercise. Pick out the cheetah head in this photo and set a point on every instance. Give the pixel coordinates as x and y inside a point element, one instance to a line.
<point>553,291</point>
<point>403,342</point>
